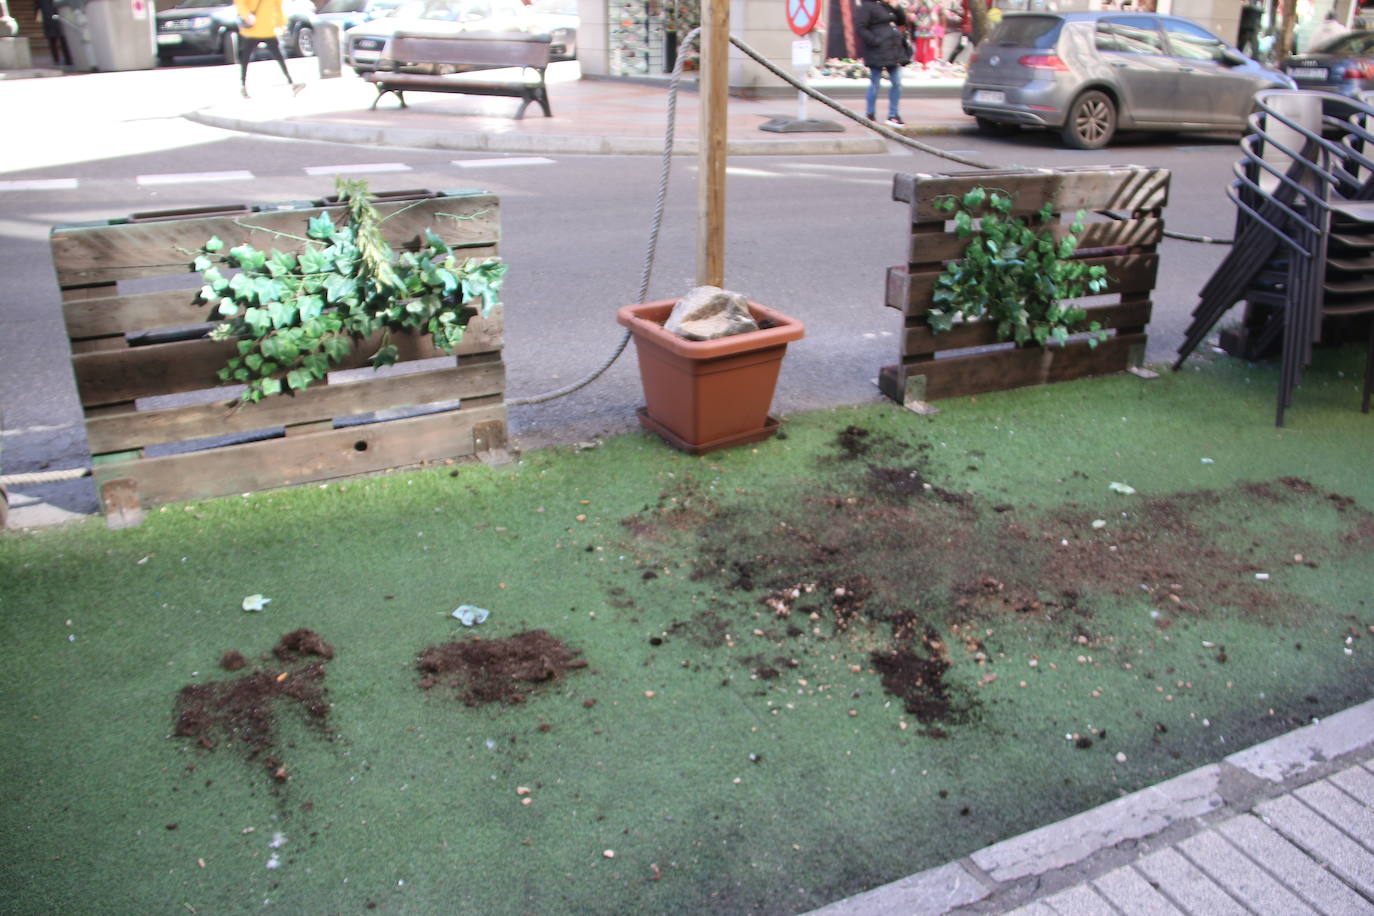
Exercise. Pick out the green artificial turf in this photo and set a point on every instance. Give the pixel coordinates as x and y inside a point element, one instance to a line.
<point>733,758</point>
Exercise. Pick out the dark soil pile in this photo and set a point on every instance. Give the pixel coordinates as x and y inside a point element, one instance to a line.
<point>497,670</point>
<point>881,552</point>
<point>243,711</point>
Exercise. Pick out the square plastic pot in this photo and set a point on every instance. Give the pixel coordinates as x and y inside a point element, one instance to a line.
<point>703,395</point>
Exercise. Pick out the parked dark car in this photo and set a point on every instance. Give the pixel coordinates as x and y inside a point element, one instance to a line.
<point>200,27</point>
<point>1344,65</point>
<point>1089,74</point>
<point>344,14</point>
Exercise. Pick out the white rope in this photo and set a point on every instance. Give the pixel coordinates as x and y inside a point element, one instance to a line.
<point>19,480</point>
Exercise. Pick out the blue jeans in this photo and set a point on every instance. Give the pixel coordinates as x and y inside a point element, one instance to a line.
<point>894,94</point>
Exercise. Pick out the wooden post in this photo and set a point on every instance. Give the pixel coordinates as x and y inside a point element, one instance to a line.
<point>715,87</point>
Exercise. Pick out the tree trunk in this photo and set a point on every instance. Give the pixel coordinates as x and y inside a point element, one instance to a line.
<point>1285,43</point>
<point>978,10</point>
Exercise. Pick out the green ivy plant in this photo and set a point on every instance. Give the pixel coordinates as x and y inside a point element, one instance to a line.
<point>1015,276</point>
<point>294,315</point>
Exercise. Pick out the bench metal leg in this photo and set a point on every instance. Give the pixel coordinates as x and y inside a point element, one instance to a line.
<point>383,90</point>
<point>535,94</point>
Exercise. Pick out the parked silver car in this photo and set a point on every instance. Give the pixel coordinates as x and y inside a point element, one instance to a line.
<point>1089,74</point>
<point>364,44</point>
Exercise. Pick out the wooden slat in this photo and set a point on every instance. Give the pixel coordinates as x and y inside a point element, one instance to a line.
<point>112,376</point>
<point>113,315</point>
<point>920,339</point>
<point>122,250</point>
<point>911,291</point>
<point>1127,188</point>
<point>113,431</point>
<point>1014,368</point>
<point>319,456</point>
<point>1145,233</point>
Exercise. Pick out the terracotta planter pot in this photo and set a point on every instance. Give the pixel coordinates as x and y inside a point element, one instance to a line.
<point>704,395</point>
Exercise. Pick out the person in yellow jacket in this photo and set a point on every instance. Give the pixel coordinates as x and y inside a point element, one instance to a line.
<point>260,22</point>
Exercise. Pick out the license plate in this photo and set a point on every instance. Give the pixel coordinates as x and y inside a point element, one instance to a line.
<point>1308,73</point>
<point>362,54</point>
<point>990,97</point>
<point>169,39</point>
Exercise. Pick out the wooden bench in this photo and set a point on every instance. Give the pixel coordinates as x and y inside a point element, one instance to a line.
<point>405,54</point>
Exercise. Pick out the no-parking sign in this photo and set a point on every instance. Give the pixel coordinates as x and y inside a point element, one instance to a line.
<point>802,15</point>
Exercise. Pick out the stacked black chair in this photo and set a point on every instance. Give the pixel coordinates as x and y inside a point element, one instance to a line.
<point>1304,246</point>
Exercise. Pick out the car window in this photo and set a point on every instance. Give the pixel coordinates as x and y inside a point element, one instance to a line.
<point>1129,35</point>
<point>1192,42</point>
<point>344,6</point>
<point>1350,43</point>
<point>1027,32</point>
<point>202,4</point>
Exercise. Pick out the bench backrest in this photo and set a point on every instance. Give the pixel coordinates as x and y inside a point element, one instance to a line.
<point>479,49</point>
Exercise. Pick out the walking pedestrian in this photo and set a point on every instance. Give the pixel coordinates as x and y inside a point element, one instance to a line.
<point>878,24</point>
<point>260,22</point>
<point>52,31</point>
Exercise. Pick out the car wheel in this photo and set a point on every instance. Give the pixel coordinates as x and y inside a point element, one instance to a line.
<point>305,41</point>
<point>229,46</point>
<point>164,59</point>
<point>995,128</point>
<point>1091,121</point>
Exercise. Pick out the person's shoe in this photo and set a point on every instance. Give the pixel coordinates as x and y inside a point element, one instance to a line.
<point>297,87</point>
<point>896,121</point>
<point>872,116</point>
<point>243,91</point>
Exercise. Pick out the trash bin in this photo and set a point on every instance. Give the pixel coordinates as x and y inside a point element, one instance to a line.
<point>110,34</point>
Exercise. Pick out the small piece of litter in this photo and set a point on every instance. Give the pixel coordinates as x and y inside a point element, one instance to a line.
<point>278,841</point>
<point>1125,489</point>
<point>608,853</point>
<point>1120,757</point>
<point>1209,461</point>
<point>522,790</point>
<point>469,615</point>
<point>274,861</point>
<point>1099,523</point>
<point>1261,575</point>
<point>255,602</point>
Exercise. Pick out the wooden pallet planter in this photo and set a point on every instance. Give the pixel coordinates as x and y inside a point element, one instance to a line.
<point>145,369</point>
<point>968,359</point>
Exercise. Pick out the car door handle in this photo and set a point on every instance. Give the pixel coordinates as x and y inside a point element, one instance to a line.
<point>1119,64</point>
<point>1186,69</point>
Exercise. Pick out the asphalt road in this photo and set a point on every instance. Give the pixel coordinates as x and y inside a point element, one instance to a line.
<point>812,236</point>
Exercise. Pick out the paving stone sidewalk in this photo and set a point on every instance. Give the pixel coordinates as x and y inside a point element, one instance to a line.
<point>1283,828</point>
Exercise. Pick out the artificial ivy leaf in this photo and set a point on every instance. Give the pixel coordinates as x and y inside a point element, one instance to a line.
<point>269,386</point>
<point>320,227</point>
<point>248,257</point>
<point>201,263</point>
<point>242,287</point>
<point>244,347</point>
<point>317,363</point>
<point>338,288</point>
<point>337,347</point>
<point>257,319</point>
<point>281,314</point>
<point>974,198</point>
<point>214,244</point>
<point>253,361</point>
<point>228,307</point>
<point>385,355</point>
<point>298,379</point>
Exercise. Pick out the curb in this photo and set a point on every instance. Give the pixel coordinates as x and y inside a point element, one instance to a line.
<point>1083,846</point>
<point>472,141</point>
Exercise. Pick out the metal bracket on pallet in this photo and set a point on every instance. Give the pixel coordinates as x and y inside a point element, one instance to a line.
<point>914,397</point>
<point>122,506</point>
<point>490,441</point>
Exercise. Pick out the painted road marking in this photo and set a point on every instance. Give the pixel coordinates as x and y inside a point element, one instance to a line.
<point>39,184</point>
<point>357,168</point>
<point>496,163</point>
<point>194,177</point>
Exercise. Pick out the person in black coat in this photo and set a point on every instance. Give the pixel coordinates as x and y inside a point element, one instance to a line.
<point>878,25</point>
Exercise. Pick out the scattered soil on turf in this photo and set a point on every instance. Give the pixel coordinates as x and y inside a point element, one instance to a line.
<point>878,553</point>
<point>504,670</point>
<point>243,711</point>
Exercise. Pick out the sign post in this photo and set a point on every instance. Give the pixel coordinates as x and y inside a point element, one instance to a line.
<point>802,16</point>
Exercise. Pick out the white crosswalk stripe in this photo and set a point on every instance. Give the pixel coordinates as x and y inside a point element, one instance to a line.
<point>194,177</point>
<point>356,168</point>
<point>40,184</point>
